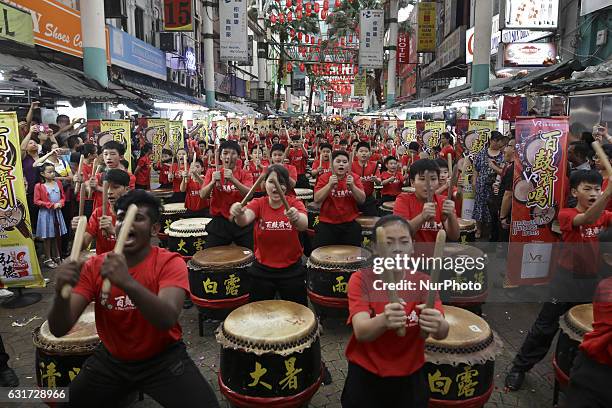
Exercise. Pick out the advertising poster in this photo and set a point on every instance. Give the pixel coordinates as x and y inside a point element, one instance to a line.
<point>157,133</point>
<point>426,31</point>
<point>175,135</point>
<point>107,130</point>
<point>233,31</point>
<point>178,15</point>
<point>539,189</point>
<point>18,262</point>
<point>371,39</point>
<point>431,134</point>
<point>477,136</point>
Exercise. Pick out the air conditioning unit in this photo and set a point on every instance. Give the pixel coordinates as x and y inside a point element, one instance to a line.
<point>173,75</point>
<point>115,9</point>
<point>167,42</point>
<point>182,79</point>
<point>193,82</point>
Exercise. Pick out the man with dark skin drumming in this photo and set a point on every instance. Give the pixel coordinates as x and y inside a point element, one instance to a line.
<point>142,347</point>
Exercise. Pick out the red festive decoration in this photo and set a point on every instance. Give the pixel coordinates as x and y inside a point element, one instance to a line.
<point>325,4</point>
<point>299,36</point>
<point>281,18</point>
<point>298,14</point>
<point>316,8</point>
<point>289,67</point>
<point>288,4</point>
<point>323,14</point>
<point>272,18</point>
<point>292,33</point>
<point>302,67</point>
<point>312,40</point>
<point>338,4</point>
<point>289,17</point>
<point>308,8</point>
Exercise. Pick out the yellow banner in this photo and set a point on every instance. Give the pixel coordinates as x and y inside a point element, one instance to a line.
<point>431,135</point>
<point>409,134</point>
<point>18,262</point>
<point>426,32</point>
<point>360,85</point>
<point>175,135</point>
<point>17,25</point>
<point>121,132</point>
<point>478,134</point>
<point>157,134</point>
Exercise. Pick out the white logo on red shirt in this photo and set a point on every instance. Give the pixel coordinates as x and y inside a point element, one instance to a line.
<point>413,319</point>
<point>590,232</point>
<point>341,193</point>
<point>275,225</point>
<point>432,225</point>
<point>124,303</point>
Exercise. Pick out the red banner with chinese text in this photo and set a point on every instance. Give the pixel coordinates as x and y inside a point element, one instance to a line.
<point>539,190</point>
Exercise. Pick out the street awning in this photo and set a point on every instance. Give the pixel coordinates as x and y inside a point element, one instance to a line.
<point>538,78</point>
<point>55,78</point>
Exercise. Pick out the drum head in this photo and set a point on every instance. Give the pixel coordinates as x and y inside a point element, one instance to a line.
<point>313,207</point>
<point>270,322</point>
<point>522,190</point>
<point>466,225</point>
<point>339,255</point>
<point>188,227</point>
<point>408,189</point>
<point>389,205</point>
<point>162,192</point>
<point>581,318</point>
<point>466,330</point>
<point>226,256</point>
<point>174,208</point>
<point>366,221</point>
<point>83,335</point>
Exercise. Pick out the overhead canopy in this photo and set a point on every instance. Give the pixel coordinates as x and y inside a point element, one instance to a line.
<point>236,108</point>
<point>159,95</point>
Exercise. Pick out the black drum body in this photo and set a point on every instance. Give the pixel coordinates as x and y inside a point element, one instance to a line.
<point>55,370</point>
<point>471,287</point>
<point>187,246</point>
<point>565,353</point>
<point>450,385</point>
<point>313,215</point>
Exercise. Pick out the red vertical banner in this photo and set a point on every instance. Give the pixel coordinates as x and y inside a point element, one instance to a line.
<point>403,49</point>
<point>539,188</point>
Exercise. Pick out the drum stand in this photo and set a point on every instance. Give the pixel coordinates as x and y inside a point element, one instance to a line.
<point>21,300</point>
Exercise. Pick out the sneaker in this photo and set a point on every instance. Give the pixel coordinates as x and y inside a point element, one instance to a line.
<point>5,293</point>
<point>8,378</point>
<point>514,379</point>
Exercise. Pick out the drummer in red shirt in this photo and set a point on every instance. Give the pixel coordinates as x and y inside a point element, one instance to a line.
<point>225,187</point>
<point>321,164</point>
<point>176,175</point>
<point>277,154</point>
<point>164,167</point>
<point>589,384</point>
<point>141,339</point>
<point>191,186</point>
<point>90,154</point>
<point>256,165</point>
<point>112,154</point>
<point>338,192</point>
<point>446,143</point>
<point>389,148</point>
<point>384,369</point>
<point>143,168</point>
<point>427,218</point>
<point>298,157</point>
<point>392,180</point>
<point>278,252</point>
<point>368,175</point>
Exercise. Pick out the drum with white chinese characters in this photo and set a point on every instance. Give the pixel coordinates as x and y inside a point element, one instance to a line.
<point>386,208</point>
<point>304,194</point>
<point>59,360</point>
<point>367,228</point>
<point>170,213</point>
<point>467,231</point>
<point>460,368</point>
<point>329,270</point>
<point>270,355</point>
<point>186,237</point>
<point>574,325</point>
<point>216,277</point>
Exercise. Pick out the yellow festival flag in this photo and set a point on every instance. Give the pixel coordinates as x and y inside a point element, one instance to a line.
<point>478,134</point>
<point>409,134</point>
<point>18,262</point>
<point>121,131</point>
<point>431,135</point>
<point>157,134</point>
<point>175,132</point>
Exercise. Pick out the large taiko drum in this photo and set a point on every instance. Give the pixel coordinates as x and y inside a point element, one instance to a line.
<point>469,274</point>
<point>329,270</point>
<point>270,355</point>
<point>312,182</point>
<point>172,212</point>
<point>217,277</point>
<point>386,208</point>
<point>59,360</point>
<point>467,231</point>
<point>304,194</point>
<point>367,228</point>
<point>163,194</point>
<point>460,368</point>
<point>313,214</point>
<point>186,237</point>
<point>574,325</point>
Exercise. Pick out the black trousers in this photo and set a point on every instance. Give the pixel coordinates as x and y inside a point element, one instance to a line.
<point>369,207</point>
<point>289,283</point>
<point>177,197</point>
<point>589,385</point>
<point>4,357</point>
<point>348,233</point>
<point>387,198</point>
<point>363,389</point>
<point>566,292</point>
<point>171,378</point>
<point>223,232</point>
<point>302,181</point>
<point>495,224</point>
<point>142,187</point>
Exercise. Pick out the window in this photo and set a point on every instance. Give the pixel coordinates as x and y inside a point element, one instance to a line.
<point>139,30</point>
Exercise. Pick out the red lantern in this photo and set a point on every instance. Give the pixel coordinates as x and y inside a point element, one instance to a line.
<point>342,42</point>
<point>308,9</point>
<point>338,4</point>
<point>316,8</point>
<point>281,18</point>
<point>302,67</point>
<point>299,3</point>
<point>306,38</point>
<point>325,4</point>
<point>292,33</point>
<point>351,38</point>
<point>298,14</point>
<point>323,14</point>
<point>272,18</point>
<point>289,17</point>
<point>288,3</point>
<point>289,67</point>
<point>312,40</point>
<point>299,36</point>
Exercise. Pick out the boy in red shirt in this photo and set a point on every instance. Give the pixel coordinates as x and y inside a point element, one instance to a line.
<point>576,277</point>
<point>191,186</point>
<point>369,174</point>
<point>384,369</point>
<point>446,143</point>
<point>164,168</point>
<point>389,148</point>
<point>90,154</point>
<point>298,157</point>
<point>178,171</point>
<point>143,168</point>
<point>338,192</point>
<point>277,153</point>
<point>427,218</point>
<point>102,228</point>
<point>256,166</point>
<point>142,347</point>
<point>392,180</point>
<point>321,164</point>
<point>607,148</point>
<point>112,154</point>
<point>225,187</point>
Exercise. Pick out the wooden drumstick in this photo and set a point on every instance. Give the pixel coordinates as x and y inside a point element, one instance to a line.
<point>603,158</point>
<point>434,276</point>
<point>277,185</point>
<point>97,169</point>
<point>381,241</point>
<point>428,187</point>
<point>77,186</point>
<point>82,199</point>
<point>76,250</point>
<point>126,226</point>
<point>247,197</point>
<point>449,158</point>
<point>185,162</point>
<point>104,197</point>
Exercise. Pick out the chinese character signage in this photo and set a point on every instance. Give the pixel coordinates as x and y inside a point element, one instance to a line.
<point>175,135</point>
<point>371,39</point>
<point>178,15</point>
<point>403,48</point>
<point>431,134</point>
<point>477,136</point>
<point>106,130</point>
<point>360,86</point>
<point>298,84</point>
<point>530,14</point>
<point>538,193</point>
<point>18,262</point>
<point>157,133</point>
<point>426,31</point>
<point>233,44</point>
<point>16,25</point>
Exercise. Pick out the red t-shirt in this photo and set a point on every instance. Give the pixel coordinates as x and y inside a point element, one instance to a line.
<point>123,330</point>
<point>389,355</point>
<point>193,201</point>
<point>394,188</point>
<point>103,244</point>
<point>598,343</point>
<point>86,171</point>
<point>445,151</point>
<point>143,176</point>
<point>324,166</point>
<point>581,245</point>
<point>366,174</point>
<point>256,172</point>
<point>176,173</point>
<point>164,171</point>
<point>407,160</point>
<point>375,157</point>
<point>276,240</point>
<point>225,193</point>
<point>340,205</point>
<point>386,152</point>
<point>298,159</point>
<point>291,169</point>
<point>407,205</point>
<point>99,180</point>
